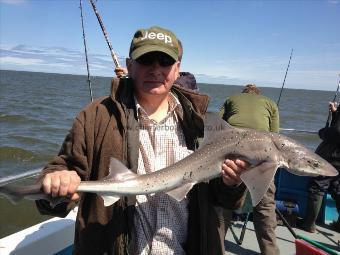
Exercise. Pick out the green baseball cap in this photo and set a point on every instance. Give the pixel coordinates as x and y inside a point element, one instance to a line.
<point>154,39</point>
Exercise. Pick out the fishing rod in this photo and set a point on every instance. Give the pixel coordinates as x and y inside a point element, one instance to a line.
<point>32,173</point>
<point>328,119</point>
<point>85,47</point>
<point>284,80</point>
<point>335,96</point>
<point>113,54</point>
<point>278,102</point>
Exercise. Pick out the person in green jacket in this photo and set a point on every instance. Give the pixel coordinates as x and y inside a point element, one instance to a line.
<point>250,109</point>
<point>128,125</point>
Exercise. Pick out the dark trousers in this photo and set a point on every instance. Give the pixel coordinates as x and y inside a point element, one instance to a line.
<point>264,219</point>
<point>320,185</point>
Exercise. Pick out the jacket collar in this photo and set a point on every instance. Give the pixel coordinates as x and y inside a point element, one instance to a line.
<point>122,91</point>
<point>199,101</point>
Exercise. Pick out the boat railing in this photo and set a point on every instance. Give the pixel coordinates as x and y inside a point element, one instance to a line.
<point>299,130</point>
<point>18,177</point>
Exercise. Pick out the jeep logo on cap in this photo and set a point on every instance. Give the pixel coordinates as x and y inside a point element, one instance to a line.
<point>159,36</point>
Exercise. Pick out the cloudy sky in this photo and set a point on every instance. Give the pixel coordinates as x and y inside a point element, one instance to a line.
<point>226,42</point>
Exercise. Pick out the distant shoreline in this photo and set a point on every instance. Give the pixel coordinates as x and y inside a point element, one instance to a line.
<point>199,83</point>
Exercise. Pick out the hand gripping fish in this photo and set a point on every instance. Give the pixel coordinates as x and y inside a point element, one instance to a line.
<point>265,152</point>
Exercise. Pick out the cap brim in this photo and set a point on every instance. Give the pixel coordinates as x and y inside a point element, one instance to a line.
<point>152,48</point>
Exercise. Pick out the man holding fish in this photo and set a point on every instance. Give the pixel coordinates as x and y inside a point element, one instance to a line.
<point>147,124</point>
<point>125,150</point>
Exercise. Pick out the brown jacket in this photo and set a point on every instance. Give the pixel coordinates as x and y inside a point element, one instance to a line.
<point>107,128</point>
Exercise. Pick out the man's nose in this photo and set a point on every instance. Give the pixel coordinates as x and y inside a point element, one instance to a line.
<point>155,67</point>
<point>155,64</point>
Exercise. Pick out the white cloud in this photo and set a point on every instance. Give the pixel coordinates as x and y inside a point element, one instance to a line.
<point>56,65</point>
<point>14,2</point>
<point>100,66</point>
<point>52,59</point>
<point>305,70</point>
<point>20,61</point>
<point>66,59</point>
<point>50,51</point>
<point>5,46</point>
<point>218,79</point>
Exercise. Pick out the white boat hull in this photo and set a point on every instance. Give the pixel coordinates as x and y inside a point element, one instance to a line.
<point>49,237</point>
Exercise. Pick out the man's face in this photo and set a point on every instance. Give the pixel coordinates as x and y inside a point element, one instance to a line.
<point>153,73</point>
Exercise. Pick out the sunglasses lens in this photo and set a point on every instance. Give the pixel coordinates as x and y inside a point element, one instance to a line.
<point>145,60</point>
<point>165,60</point>
<point>148,59</point>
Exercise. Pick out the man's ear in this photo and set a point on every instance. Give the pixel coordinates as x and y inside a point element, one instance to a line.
<point>178,66</point>
<point>128,62</point>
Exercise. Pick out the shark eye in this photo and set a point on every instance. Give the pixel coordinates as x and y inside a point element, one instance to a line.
<point>314,163</point>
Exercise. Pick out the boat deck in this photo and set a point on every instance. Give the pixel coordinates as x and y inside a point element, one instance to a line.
<point>55,236</point>
<point>285,239</point>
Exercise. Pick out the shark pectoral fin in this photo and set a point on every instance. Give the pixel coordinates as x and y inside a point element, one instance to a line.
<point>180,192</point>
<point>109,200</point>
<point>258,179</point>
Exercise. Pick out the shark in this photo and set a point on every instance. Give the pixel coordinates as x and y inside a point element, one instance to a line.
<point>264,151</point>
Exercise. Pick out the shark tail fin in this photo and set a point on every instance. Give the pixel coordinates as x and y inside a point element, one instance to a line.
<point>11,194</point>
<point>117,172</point>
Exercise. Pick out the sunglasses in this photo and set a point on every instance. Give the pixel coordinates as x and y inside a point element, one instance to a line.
<point>148,59</point>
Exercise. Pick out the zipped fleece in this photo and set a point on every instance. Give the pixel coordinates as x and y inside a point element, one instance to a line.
<point>108,127</point>
<point>329,149</point>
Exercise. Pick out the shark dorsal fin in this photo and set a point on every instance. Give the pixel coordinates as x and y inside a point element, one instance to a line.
<point>118,171</point>
<point>213,126</point>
